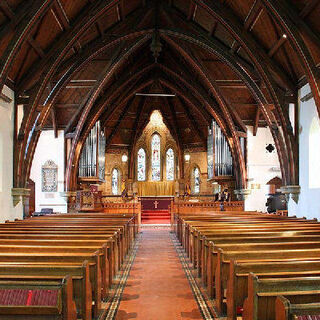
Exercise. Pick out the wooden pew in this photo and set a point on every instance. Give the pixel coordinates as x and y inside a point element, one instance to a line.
<point>67,241</point>
<point>67,258</point>
<point>82,291</point>
<point>206,256</point>
<point>59,307</point>
<point>237,288</point>
<point>212,241</point>
<point>285,310</point>
<point>262,294</point>
<point>223,263</point>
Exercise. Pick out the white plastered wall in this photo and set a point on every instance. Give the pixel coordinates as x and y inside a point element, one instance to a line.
<point>49,148</point>
<point>309,168</point>
<point>8,211</point>
<point>262,166</point>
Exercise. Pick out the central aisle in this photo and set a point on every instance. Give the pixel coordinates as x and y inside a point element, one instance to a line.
<point>157,287</point>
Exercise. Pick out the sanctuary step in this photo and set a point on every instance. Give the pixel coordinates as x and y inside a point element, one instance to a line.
<point>158,215</point>
<point>155,209</point>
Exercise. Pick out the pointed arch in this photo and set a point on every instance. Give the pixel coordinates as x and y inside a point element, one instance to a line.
<point>196,179</point>
<point>115,181</point>
<point>141,165</point>
<point>170,164</point>
<point>156,157</point>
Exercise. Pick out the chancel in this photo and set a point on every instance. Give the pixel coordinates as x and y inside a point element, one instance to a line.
<point>159,159</point>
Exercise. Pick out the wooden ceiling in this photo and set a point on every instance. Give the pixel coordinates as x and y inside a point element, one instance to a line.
<point>240,62</point>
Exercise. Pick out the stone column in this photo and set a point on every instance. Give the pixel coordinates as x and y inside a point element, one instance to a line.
<point>292,191</point>
<point>70,197</point>
<point>19,194</point>
<point>242,194</point>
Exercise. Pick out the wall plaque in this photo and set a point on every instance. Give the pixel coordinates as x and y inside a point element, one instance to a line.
<point>49,177</point>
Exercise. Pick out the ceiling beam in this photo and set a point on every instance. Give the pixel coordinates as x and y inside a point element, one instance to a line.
<point>288,10</point>
<point>253,15</point>
<point>60,15</point>
<point>213,28</point>
<point>256,122</point>
<point>309,6</point>
<point>237,117</point>
<point>69,40</point>
<point>180,22</point>
<point>36,46</point>
<point>122,115</point>
<point>277,45</point>
<point>193,122</point>
<point>87,17</point>
<point>27,19</point>
<point>192,10</point>
<point>5,8</point>
<point>253,48</point>
<point>99,81</point>
<point>293,26</point>
<point>54,122</point>
<point>176,126</point>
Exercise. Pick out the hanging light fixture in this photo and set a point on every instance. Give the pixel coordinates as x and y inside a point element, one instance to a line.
<point>187,156</point>
<point>124,158</point>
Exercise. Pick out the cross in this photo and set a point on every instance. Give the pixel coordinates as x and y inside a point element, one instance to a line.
<point>156,204</point>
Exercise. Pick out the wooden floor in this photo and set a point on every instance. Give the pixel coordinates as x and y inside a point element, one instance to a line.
<point>157,287</point>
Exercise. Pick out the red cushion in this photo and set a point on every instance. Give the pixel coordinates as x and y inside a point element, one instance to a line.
<point>25,297</point>
<point>239,310</point>
<point>306,317</point>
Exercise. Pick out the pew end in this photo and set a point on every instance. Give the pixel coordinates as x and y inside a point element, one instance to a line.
<point>38,300</point>
<point>285,310</point>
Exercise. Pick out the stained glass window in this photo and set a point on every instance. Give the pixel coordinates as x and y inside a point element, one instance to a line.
<point>170,164</point>
<point>155,154</point>
<point>196,180</point>
<point>141,165</point>
<point>115,181</point>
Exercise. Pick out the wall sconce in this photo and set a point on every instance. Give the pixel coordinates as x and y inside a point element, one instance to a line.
<point>255,186</point>
<point>187,157</point>
<point>124,158</point>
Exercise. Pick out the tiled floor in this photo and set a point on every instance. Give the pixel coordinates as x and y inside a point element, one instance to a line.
<point>157,287</point>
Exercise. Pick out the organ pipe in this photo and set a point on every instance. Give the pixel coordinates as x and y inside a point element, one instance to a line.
<point>223,158</point>
<point>92,157</point>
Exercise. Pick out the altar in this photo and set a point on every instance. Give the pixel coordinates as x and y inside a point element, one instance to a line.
<point>155,203</point>
<point>155,208</point>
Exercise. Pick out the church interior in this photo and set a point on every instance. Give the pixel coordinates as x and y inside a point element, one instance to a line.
<point>159,159</point>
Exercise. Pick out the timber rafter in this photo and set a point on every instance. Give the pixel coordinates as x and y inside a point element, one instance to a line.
<point>266,76</point>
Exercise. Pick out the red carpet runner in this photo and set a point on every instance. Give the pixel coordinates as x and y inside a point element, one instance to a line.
<point>155,216</point>
<point>157,287</point>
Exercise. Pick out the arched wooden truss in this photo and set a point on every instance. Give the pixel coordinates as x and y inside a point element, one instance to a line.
<point>240,62</point>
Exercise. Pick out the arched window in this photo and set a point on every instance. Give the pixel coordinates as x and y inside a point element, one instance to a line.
<point>155,157</point>
<point>170,164</point>
<point>314,154</point>
<point>115,181</point>
<point>141,165</point>
<point>196,174</point>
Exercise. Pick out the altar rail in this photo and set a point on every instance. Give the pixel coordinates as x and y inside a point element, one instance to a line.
<point>190,207</point>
